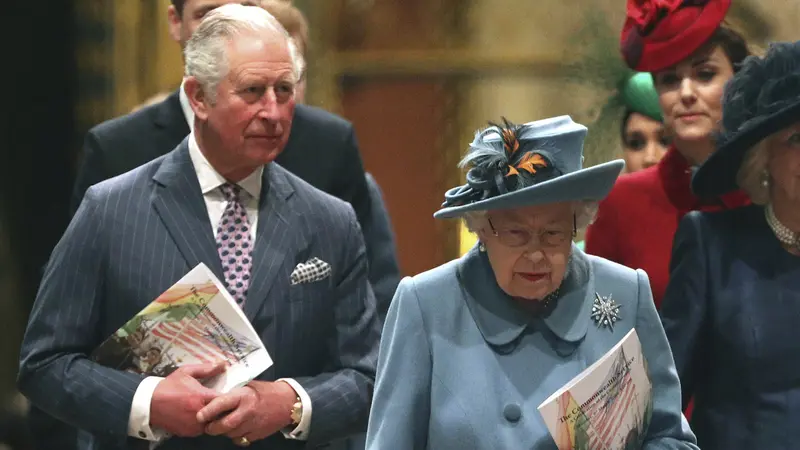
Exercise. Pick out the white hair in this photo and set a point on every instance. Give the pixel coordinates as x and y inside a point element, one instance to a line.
<point>206,51</point>
<point>585,213</point>
<point>298,60</point>
<point>751,175</point>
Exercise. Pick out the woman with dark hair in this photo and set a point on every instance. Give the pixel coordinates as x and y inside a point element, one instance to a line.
<point>644,138</point>
<point>691,55</point>
<point>730,309</point>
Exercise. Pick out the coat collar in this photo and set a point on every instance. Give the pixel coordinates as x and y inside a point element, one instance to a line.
<point>501,320</point>
<point>676,173</point>
<point>676,176</point>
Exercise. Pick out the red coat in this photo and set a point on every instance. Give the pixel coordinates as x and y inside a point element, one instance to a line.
<point>637,221</point>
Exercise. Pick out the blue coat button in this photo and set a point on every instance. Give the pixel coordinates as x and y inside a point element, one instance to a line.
<point>512,412</point>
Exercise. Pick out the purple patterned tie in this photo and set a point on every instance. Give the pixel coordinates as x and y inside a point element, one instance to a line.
<point>234,244</point>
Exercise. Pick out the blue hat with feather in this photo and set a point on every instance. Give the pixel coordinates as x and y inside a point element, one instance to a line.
<point>512,166</point>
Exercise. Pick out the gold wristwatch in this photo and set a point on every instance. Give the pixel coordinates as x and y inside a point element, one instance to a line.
<point>297,411</point>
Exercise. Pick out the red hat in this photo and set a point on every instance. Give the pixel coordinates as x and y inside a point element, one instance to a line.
<point>661,33</point>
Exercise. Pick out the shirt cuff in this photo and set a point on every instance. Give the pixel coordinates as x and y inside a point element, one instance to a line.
<point>300,432</point>
<point>139,419</point>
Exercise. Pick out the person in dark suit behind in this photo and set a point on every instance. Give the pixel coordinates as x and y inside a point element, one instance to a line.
<point>136,234</point>
<point>384,271</point>
<point>731,306</point>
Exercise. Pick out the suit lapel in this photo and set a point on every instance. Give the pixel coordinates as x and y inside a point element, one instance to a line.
<point>276,237</point>
<point>170,123</point>
<point>179,203</point>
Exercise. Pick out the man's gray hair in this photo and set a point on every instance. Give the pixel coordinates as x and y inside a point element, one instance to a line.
<point>206,51</point>
<point>585,213</point>
<point>753,173</point>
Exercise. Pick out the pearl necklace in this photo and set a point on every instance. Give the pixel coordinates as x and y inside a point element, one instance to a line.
<point>787,237</point>
<point>550,300</point>
<point>543,307</point>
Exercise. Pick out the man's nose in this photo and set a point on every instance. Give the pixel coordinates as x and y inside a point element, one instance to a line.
<point>269,107</point>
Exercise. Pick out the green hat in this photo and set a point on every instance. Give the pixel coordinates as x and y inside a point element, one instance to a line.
<point>639,95</point>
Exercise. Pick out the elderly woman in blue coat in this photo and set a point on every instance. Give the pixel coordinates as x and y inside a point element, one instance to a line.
<point>470,349</point>
<point>732,304</point>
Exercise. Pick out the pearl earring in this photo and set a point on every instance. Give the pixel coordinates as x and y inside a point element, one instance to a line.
<point>765,179</point>
<point>481,247</point>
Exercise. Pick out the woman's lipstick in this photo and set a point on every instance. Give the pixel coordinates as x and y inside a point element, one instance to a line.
<point>532,276</point>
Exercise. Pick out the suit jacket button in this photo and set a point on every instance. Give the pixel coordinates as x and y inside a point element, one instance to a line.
<point>512,412</point>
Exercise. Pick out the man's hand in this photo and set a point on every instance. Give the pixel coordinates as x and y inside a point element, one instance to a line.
<point>179,397</point>
<point>258,410</point>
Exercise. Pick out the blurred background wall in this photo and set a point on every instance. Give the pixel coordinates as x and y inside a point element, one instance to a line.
<point>416,77</point>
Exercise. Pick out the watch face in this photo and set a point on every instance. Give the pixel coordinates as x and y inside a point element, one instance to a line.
<point>297,412</point>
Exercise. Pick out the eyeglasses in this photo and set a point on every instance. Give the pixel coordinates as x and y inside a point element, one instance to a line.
<point>521,237</point>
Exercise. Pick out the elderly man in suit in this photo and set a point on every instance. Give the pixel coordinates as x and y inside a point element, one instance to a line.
<point>136,234</point>
<point>322,148</point>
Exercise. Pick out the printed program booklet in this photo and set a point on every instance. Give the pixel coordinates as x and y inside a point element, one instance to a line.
<point>195,321</point>
<point>608,406</point>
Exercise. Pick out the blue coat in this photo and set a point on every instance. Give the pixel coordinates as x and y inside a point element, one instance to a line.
<point>731,315</point>
<point>461,367</point>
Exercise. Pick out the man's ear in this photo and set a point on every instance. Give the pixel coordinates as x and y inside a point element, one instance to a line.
<point>198,99</point>
<point>175,23</point>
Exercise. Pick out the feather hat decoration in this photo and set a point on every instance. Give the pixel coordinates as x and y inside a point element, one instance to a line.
<point>498,163</point>
<point>511,166</point>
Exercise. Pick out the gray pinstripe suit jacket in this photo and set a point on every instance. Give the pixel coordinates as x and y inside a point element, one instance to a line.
<point>136,234</point>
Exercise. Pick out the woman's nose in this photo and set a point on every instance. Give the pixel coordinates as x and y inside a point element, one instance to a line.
<point>687,92</point>
<point>535,256</point>
<point>651,154</point>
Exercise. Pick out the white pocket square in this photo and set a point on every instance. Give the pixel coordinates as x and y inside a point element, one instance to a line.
<point>312,270</point>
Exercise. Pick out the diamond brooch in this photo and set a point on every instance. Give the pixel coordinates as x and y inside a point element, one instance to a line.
<point>605,311</point>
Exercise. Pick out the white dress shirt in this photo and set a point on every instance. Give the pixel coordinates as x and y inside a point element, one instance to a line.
<point>210,180</point>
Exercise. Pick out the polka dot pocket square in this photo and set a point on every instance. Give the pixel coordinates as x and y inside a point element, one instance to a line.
<point>310,271</point>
